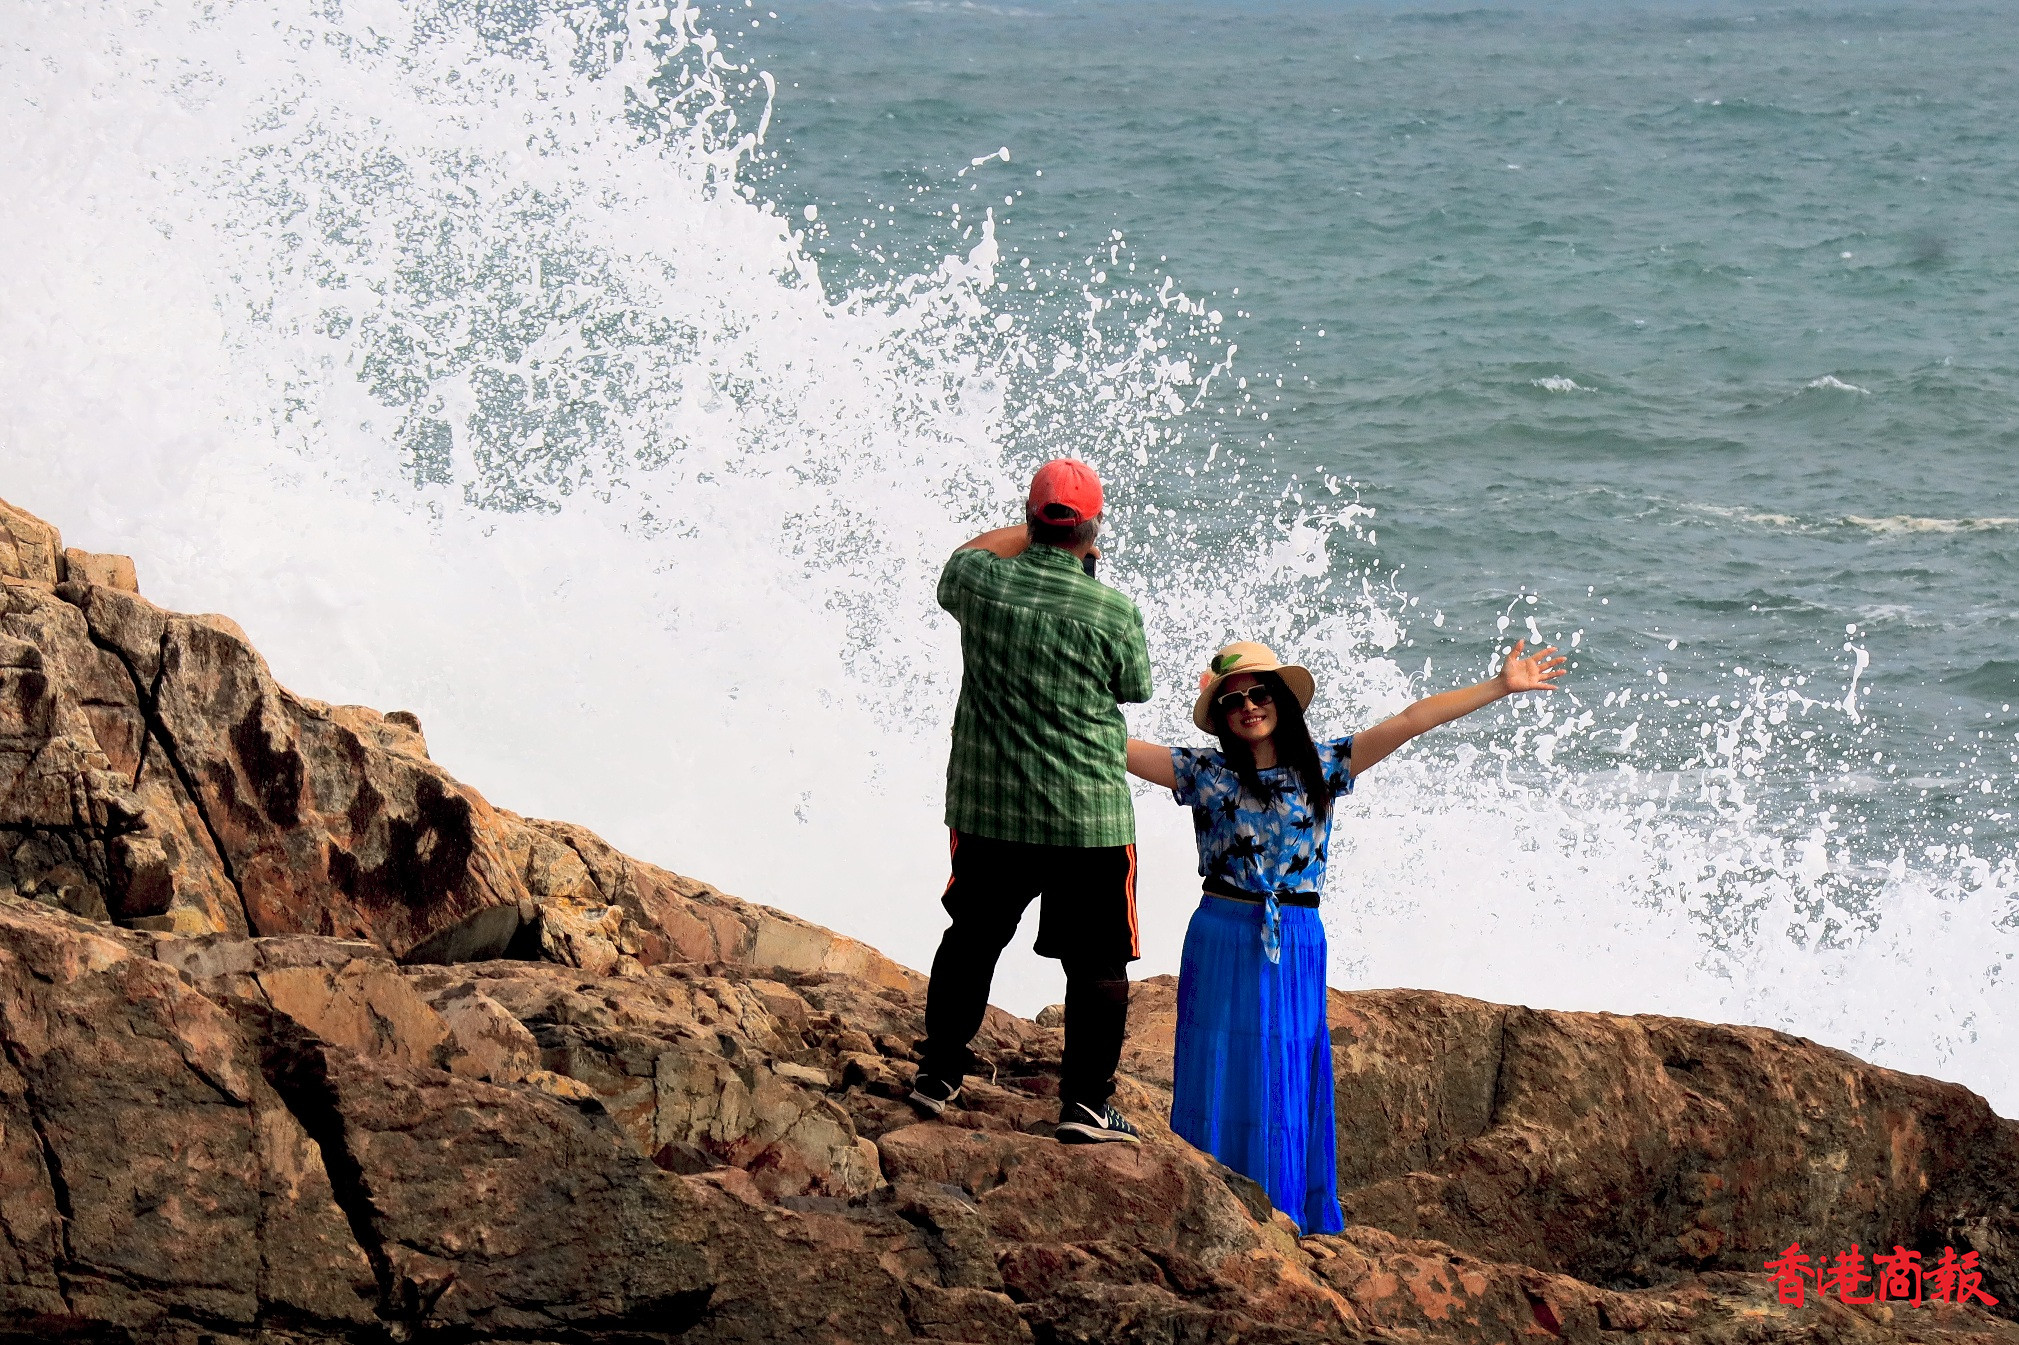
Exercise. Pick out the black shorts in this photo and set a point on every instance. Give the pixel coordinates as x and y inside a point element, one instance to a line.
<point>1089,894</point>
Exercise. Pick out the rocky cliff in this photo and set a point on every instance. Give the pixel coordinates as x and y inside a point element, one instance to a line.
<point>305,1041</point>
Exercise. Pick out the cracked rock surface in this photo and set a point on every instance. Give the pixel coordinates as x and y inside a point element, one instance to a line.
<point>303,1041</point>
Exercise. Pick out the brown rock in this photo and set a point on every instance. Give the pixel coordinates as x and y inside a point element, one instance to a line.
<point>698,1071</point>
<point>1422,1289</point>
<point>397,731</point>
<point>488,1043</point>
<point>31,552</point>
<point>365,1005</point>
<point>89,567</point>
<point>93,817</point>
<point>182,1183</point>
<point>321,828</point>
<point>1031,1189</point>
<point>33,1251</point>
<point>813,1275</point>
<point>1619,1149</point>
<point>498,1210</point>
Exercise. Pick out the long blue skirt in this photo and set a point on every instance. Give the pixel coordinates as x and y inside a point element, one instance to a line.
<point>1254,1057</point>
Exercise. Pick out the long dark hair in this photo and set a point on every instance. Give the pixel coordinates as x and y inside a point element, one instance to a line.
<point>1294,748</point>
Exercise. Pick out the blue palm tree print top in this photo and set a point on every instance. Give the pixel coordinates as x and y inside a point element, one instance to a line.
<point>1259,845</point>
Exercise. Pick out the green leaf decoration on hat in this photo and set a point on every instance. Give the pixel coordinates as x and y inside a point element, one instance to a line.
<point>1224,662</point>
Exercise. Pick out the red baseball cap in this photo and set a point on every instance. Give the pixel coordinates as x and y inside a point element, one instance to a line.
<point>1065,491</point>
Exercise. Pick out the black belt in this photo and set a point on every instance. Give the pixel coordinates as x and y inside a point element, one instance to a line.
<point>1215,888</point>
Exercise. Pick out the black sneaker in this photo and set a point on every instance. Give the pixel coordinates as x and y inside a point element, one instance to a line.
<point>932,1096</point>
<point>1081,1124</point>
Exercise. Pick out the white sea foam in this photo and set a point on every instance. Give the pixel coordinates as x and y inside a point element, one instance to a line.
<point>1911,523</point>
<point>1835,384</point>
<point>1895,523</point>
<point>457,365</point>
<point>1557,383</point>
<point>1762,517</point>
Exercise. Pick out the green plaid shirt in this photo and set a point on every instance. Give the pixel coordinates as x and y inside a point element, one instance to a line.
<point>1039,746</point>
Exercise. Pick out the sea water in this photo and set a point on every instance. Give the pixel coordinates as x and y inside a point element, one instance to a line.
<point>607,382</point>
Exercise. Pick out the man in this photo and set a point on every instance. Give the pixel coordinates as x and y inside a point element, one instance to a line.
<point>1037,795</point>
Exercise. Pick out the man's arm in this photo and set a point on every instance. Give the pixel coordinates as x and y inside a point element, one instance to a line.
<point>1004,542</point>
<point>1000,542</point>
<point>1132,670</point>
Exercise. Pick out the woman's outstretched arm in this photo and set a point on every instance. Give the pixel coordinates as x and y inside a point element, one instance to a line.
<point>1150,762</point>
<point>1532,672</point>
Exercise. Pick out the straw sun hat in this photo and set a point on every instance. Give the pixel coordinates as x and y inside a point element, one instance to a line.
<point>1246,656</point>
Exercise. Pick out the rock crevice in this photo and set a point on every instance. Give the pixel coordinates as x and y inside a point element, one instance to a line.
<point>292,1063</point>
<point>1499,1073</point>
<point>154,731</point>
<point>52,1169</point>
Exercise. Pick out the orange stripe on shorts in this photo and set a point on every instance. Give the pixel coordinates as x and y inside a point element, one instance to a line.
<point>1135,943</point>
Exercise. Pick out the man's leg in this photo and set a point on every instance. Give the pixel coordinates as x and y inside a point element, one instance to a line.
<point>1097,1017</point>
<point>993,881</point>
<point>1090,926</point>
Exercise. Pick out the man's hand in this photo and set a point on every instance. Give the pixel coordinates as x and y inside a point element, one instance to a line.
<point>1533,672</point>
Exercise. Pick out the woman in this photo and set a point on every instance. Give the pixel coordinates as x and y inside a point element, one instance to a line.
<point>1254,1058</point>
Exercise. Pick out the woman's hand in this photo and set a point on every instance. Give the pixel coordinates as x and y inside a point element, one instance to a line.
<point>1534,672</point>
<point>1147,761</point>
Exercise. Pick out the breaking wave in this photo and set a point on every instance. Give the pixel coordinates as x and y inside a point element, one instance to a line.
<point>1831,383</point>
